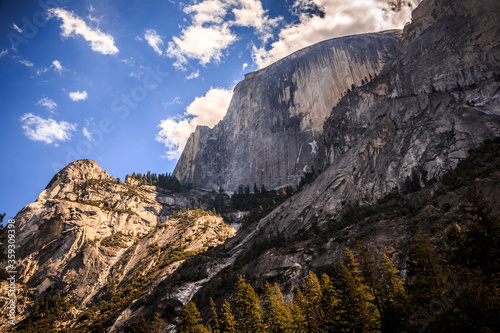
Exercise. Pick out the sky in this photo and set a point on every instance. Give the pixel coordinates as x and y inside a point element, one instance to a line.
<point>125,82</point>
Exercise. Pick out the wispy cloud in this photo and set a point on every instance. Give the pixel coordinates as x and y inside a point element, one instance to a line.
<point>245,65</point>
<point>57,66</point>
<point>154,40</point>
<point>15,27</point>
<point>176,100</point>
<point>4,52</point>
<point>193,75</point>
<point>206,110</point>
<point>86,133</point>
<point>76,96</point>
<point>26,63</point>
<point>48,131</point>
<point>49,104</point>
<point>74,26</point>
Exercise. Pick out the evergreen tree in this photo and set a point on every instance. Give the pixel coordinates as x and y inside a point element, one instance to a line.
<point>311,303</point>
<point>478,247</point>
<point>427,276</point>
<point>370,272</point>
<point>227,321</point>
<point>357,311</point>
<point>214,319</point>
<point>189,320</point>
<point>298,317</point>
<point>277,316</point>
<point>249,315</point>
<point>394,297</point>
<point>329,304</point>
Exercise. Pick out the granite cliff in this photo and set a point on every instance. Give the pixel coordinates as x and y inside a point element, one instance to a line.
<point>385,110</point>
<point>272,132</point>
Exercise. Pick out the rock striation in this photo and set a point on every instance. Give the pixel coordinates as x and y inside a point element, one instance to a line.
<point>272,132</point>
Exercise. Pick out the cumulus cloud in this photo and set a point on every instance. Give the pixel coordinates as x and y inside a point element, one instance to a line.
<point>208,11</point>
<point>49,104</point>
<point>251,14</point>
<point>200,42</point>
<point>323,19</point>
<point>48,131</point>
<point>206,110</point>
<point>73,26</point>
<point>78,96</point>
<point>154,40</point>
<point>212,29</point>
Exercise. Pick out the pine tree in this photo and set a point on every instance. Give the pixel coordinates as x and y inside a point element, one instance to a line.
<point>298,317</point>
<point>311,303</point>
<point>370,272</point>
<point>427,276</point>
<point>394,297</point>
<point>189,320</point>
<point>249,315</point>
<point>277,316</point>
<point>329,304</point>
<point>227,321</point>
<point>357,311</point>
<point>214,319</point>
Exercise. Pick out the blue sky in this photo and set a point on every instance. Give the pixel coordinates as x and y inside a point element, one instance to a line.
<point>125,82</point>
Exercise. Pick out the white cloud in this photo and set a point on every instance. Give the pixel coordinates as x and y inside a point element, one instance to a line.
<point>202,43</point>
<point>245,65</point>
<point>341,18</point>
<point>26,63</point>
<point>73,25</point>
<point>78,96</point>
<point>57,66</point>
<point>206,110</point>
<point>208,11</point>
<point>48,131</point>
<point>154,40</point>
<point>4,52</point>
<point>212,29</point>
<point>87,134</point>
<point>47,103</point>
<point>176,100</point>
<point>251,14</point>
<point>193,75</point>
<point>17,28</point>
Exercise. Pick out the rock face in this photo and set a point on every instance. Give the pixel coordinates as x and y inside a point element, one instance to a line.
<point>437,99</point>
<point>86,228</point>
<point>433,94</point>
<point>272,131</point>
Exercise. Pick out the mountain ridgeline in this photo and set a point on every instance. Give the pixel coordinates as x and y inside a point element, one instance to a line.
<point>365,172</point>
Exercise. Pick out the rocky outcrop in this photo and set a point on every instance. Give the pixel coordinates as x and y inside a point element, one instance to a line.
<point>272,131</point>
<point>87,229</point>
